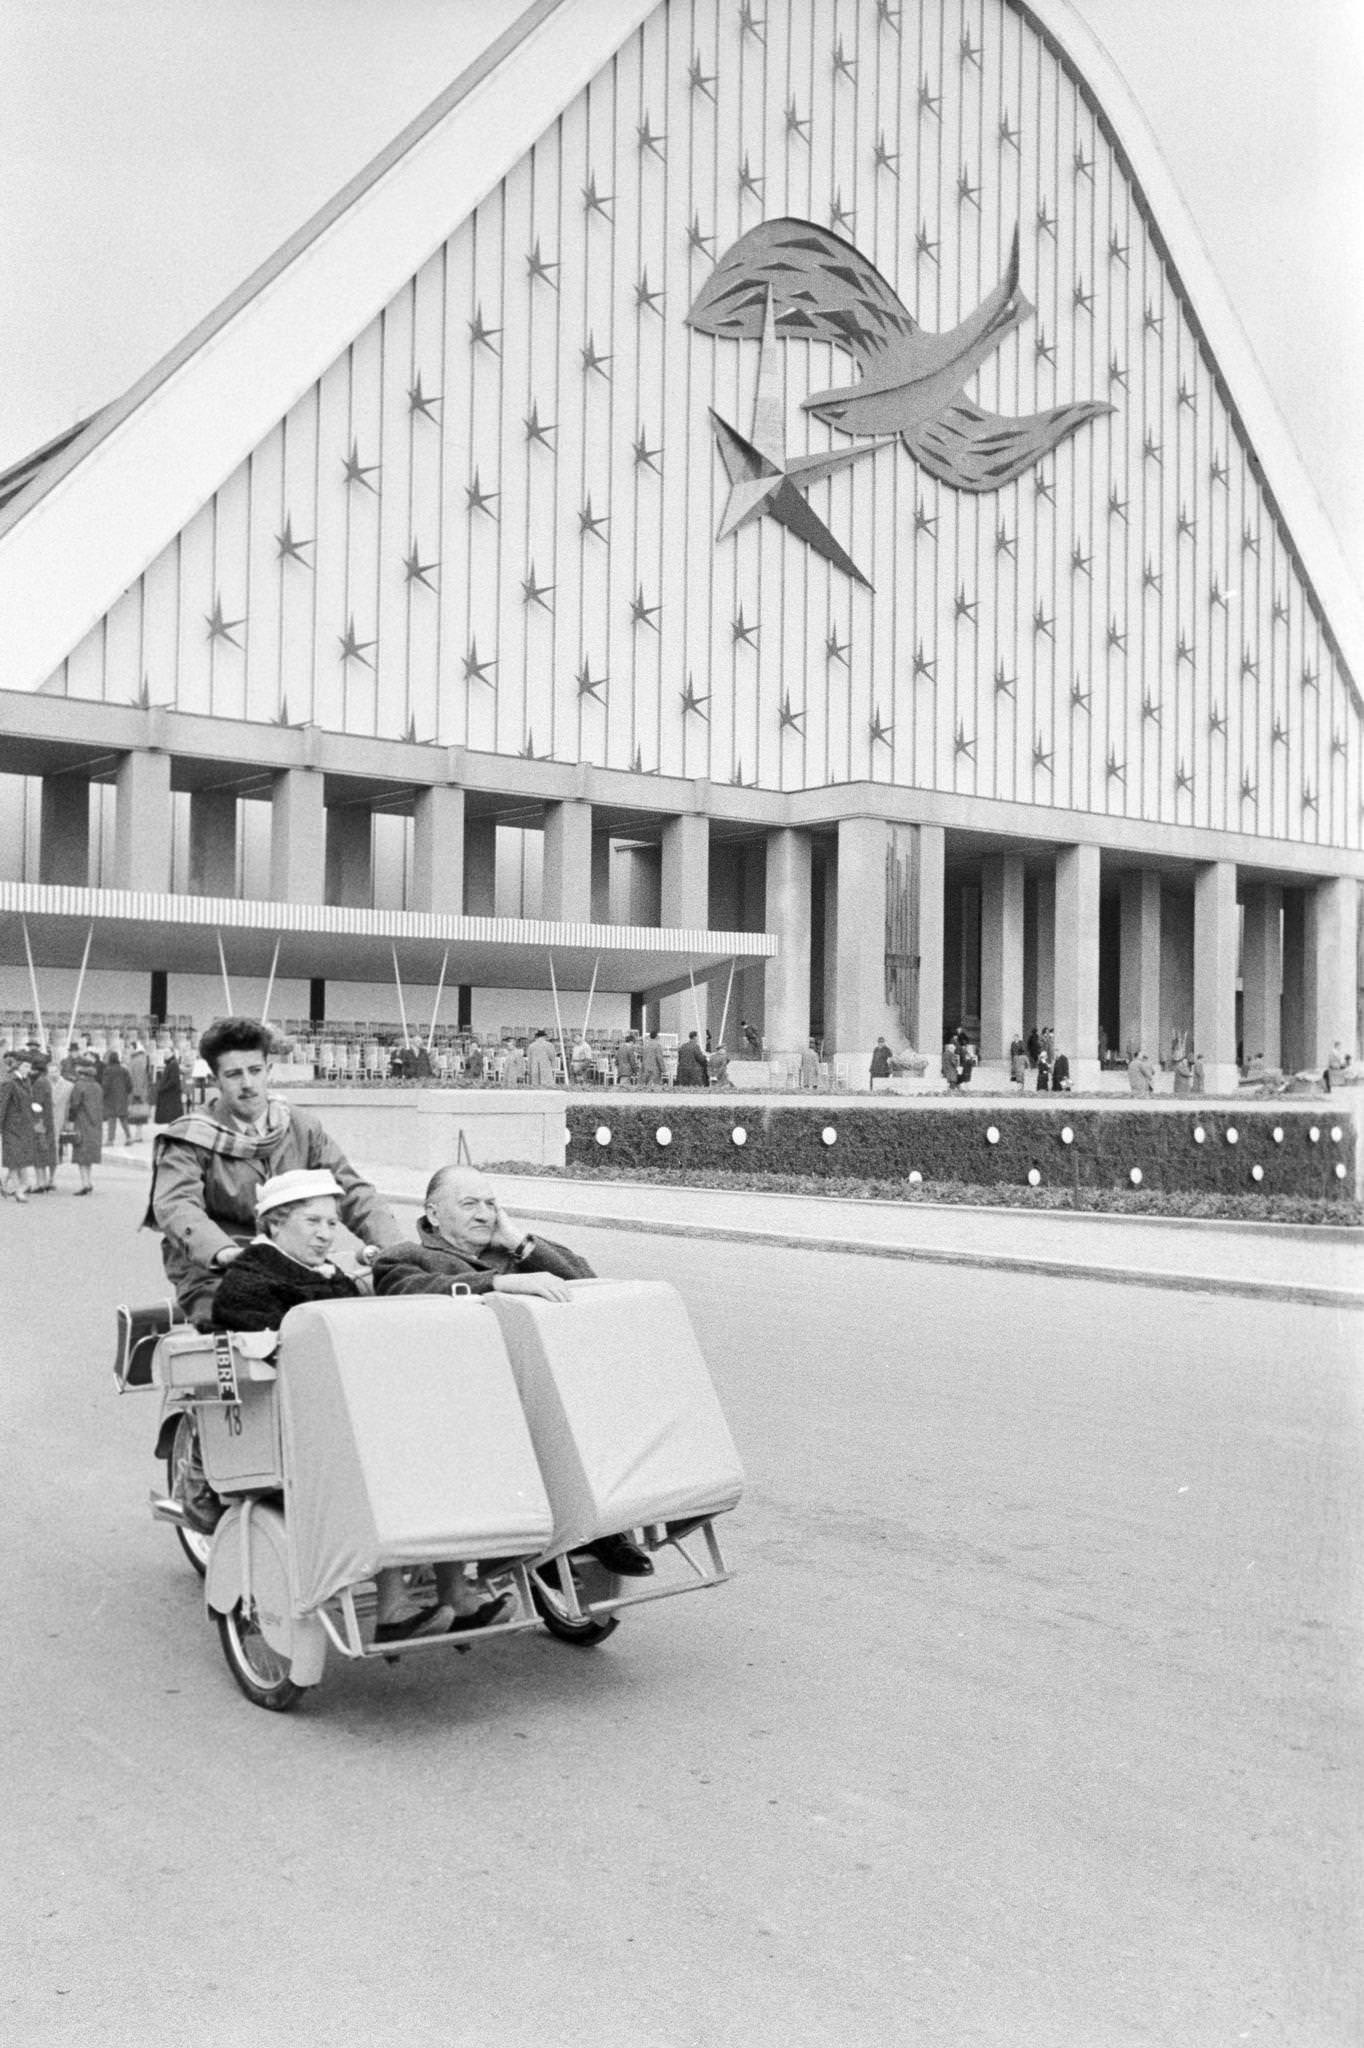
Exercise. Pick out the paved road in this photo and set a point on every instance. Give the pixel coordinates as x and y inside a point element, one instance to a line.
<point>1032,1717</point>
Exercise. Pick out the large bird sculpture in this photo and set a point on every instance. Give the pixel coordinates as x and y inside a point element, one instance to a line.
<point>823,289</point>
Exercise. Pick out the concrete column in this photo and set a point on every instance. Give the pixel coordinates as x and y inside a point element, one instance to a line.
<point>1139,962</point>
<point>1001,953</point>
<point>480,867</point>
<point>830,943</point>
<point>212,842</point>
<point>1293,1004</point>
<point>1046,958</point>
<point>350,855</point>
<point>1216,936</point>
<point>142,822</point>
<point>862,1015</point>
<point>298,837</point>
<point>1262,974</point>
<point>1332,967</point>
<point>686,872</point>
<point>566,890</point>
<point>64,830</point>
<point>787,991</point>
<point>931,881</point>
<point>601,878</point>
<point>438,850</point>
<point>1075,1018</point>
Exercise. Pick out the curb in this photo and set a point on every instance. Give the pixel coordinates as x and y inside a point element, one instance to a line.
<point>1301,1294</point>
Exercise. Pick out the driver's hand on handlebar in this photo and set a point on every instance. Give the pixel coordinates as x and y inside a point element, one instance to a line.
<point>226,1255</point>
<point>543,1284</point>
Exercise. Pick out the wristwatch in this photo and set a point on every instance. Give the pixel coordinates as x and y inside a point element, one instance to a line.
<point>523,1250</point>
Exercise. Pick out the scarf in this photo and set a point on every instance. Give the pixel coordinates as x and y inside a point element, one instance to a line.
<point>208,1135</point>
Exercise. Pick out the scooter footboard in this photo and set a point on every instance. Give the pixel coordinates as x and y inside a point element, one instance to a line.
<point>622,1410</point>
<point>404,1442</point>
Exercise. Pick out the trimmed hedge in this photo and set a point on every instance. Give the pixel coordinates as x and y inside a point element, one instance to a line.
<point>953,1145</point>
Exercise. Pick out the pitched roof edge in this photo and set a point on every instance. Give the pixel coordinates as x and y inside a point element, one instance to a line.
<point>1283,473</point>
<point>75,537</point>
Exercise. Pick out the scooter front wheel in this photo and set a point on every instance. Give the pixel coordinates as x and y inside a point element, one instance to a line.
<point>586,1632</point>
<point>261,1672</point>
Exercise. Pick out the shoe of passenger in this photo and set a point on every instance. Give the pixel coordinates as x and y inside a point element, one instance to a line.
<point>410,1628</point>
<point>622,1557</point>
<point>486,1616</point>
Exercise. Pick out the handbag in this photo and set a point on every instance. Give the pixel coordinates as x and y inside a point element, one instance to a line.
<point>140,1330</point>
<point>139,1112</point>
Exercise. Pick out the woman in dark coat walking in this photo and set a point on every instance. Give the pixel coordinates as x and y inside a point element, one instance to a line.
<point>85,1114</point>
<point>18,1137</point>
<point>44,1124</point>
<point>170,1100</point>
<point>117,1085</point>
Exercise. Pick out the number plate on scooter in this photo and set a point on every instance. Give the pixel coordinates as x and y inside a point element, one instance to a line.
<point>225,1361</point>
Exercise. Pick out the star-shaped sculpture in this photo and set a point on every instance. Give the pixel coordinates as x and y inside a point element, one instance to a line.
<point>1150,576</point>
<point>878,732</point>
<point>696,241</point>
<point>536,593</point>
<point>836,649</point>
<point>962,745</point>
<point>1040,622</point>
<point>1040,757</point>
<point>291,550</point>
<point>220,628</point>
<point>353,648</point>
<point>1338,743</point>
<point>1082,300</point>
<point>1116,372</point>
<point>1084,165</point>
<point>479,331</point>
<point>593,200</point>
<point>1184,650</point>
<point>889,14</point>
<point>1004,683</point>
<point>535,431</point>
<point>1117,638</point>
<point>924,243</point>
<point>647,140</point>
<point>1309,797</point>
<point>476,671</point>
<point>1217,720</point>
<point>787,716</point>
<point>1279,735</point>
<point>1150,447</point>
<point>923,663</point>
<point>967,193</point>
<point>645,456</point>
<point>743,631</point>
<point>1046,219</point>
<point>1044,488</point>
<point>1079,696</point>
<point>697,79</point>
<point>1250,540</point>
<point>415,570</point>
<point>592,358</point>
<point>1308,678</point>
<point>477,499</point>
<point>528,752</point>
<point>641,614</point>
<point>692,702</point>
<point>1278,611</point>
<point>844,66</point>
<point>968,51</point>
<point>749,181</point>
<point>1043,349</point>
<point>1217,470</point>
<point>418,401</point>
<point>540,267</point>
<point>884,158</point>
<point>1114,770</point>
<point>749,25</point>
<point>1185,523</point>
<point>1009,136</point>
<point>1250,665</point>
<point>1151,320</point>
<point>1117,248</point>
<point>840,216</point>
<point>1186,396</point>
<point>1117,507</point>
<point>1247,789</point>
<point>1080,562</point>
<point>1150,708</point>
<point>762,482</point>
<point>796,122</point>
<point>588,685</point>
<point>1183,777</point>
<point>965,607</point>
<point>1217,597</point>
<point>358,472</point>
<point>648,298</point>
<point>1005,541</point>
<point>594,523</point>
<point>924,520</point>
<point>927,99</point>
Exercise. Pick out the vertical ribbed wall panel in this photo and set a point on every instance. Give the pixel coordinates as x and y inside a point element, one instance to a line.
<point>493,520</point>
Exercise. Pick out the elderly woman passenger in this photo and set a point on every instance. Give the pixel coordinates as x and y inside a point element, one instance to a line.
<point>287,1265</point>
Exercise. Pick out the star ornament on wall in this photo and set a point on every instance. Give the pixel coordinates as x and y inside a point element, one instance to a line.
<point>764,482</point>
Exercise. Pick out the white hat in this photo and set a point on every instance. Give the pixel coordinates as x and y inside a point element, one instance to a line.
<point>299,1185</point>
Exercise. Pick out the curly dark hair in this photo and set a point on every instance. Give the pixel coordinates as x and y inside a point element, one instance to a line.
<point>235,1034</point>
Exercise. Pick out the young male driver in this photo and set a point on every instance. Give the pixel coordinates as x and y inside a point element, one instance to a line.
<point>208,1166</point>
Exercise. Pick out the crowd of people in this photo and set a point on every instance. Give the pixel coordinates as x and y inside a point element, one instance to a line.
<point>74,1106</point>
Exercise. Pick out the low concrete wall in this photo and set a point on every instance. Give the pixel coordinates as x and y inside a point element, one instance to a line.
<point>421,1128</point>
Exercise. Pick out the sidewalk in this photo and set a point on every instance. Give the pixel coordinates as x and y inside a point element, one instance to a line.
<point>1267,1261</point>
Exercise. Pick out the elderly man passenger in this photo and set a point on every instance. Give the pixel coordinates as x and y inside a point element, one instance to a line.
<point>467,1244</point>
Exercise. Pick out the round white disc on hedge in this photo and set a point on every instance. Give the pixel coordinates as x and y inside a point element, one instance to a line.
<point>829,1135</point>
<point>1232,1134</point>
<point>739,1135</point>
<point>1336,1134</point>
<point>1034,1177</point>
<point>992,1135</point>
<point>663,1136</point>
<point>1135,1176</point>
<point>602,1135</point>
<point>1199,1134</point>
<point>916,1178</point>
<point>1314,1136</point>
<point>1257,1172</point>
<point>1067,1135</point>
<point>1340,1169</point>
<point>1278,1134</point>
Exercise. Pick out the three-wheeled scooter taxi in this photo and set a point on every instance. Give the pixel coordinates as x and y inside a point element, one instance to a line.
<point>507,1432</point>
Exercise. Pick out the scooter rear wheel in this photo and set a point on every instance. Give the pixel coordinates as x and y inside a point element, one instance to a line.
<point>181,1456</point>
<point>261,1672</point>
<point>553,1612</point>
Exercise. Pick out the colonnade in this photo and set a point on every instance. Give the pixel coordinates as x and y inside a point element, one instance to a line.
<point>871,944</point>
